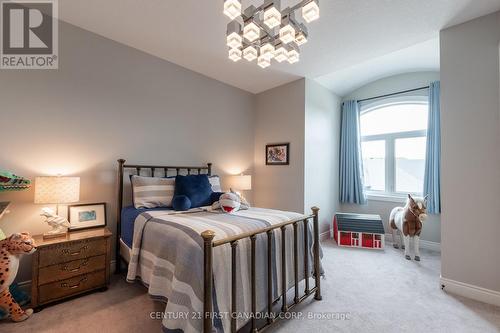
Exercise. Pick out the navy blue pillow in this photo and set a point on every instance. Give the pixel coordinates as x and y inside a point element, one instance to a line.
<point>181,202</point>
<point>215,196</point>
<point>196,187</point>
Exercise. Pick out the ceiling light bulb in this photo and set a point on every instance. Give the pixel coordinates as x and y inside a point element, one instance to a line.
<point>281,54</point>
<point>234,40</point>
<point>272,17</point>
<point>250,53</point>
<point>232,8</point>
<point>235,54</point>
<point>251,32</point>
<point>267,50</point>
<point>293,56</point>
<point>300,38</point>
<point>287,34</point>
<point>264,62</point>
<point>310,12</point>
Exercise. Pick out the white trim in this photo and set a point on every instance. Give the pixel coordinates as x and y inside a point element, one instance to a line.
<point>470,291</point>
<point>386,197</point>
<point>325,235</point>
<point>424,244</point>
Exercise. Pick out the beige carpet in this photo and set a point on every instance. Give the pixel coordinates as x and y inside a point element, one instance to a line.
<point>374,291</point>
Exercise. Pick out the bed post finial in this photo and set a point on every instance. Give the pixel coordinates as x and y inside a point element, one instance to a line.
<point>209,168</point>
<point>208,237</point>
<point>317,269</point>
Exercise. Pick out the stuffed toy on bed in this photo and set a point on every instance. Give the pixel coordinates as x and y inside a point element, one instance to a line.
<point>230,202</point>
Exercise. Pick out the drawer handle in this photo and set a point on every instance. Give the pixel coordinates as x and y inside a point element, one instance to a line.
<point>67,252</point>
<point>65,285</point>
<point>76,269</point>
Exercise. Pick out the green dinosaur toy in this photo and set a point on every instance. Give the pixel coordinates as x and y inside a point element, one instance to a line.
<point>11,182</point>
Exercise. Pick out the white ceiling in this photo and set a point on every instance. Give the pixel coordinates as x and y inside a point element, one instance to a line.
<point>350,36</point>
<point>420,57</point>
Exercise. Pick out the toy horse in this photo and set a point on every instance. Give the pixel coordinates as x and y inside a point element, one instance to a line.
<point>408,220</point>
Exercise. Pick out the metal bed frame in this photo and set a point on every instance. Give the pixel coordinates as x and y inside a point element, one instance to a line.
<point>209,244</point>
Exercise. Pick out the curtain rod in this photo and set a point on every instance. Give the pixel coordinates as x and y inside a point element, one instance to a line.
<point>392,94</point>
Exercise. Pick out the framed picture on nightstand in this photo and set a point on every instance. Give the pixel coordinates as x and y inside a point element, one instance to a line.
<point>85,216</point>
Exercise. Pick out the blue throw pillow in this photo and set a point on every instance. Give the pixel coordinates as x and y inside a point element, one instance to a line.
<point>196,187</point>
<point>214,197</point>
<point>181,202</point>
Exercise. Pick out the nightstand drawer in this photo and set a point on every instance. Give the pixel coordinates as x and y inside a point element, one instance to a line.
<point>56,290</point>
<point>65,252</point>
<point>72,268</point>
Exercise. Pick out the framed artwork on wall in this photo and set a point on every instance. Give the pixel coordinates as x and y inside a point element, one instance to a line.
<point>278,154</point>
<point>85,216</point>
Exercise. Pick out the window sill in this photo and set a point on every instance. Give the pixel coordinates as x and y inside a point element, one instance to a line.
<point>386,197</point>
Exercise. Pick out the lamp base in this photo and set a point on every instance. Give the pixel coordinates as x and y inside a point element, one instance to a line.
<point>49,235</point>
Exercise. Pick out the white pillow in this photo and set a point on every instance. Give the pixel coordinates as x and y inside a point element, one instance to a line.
<point>215,182</point>
<point>152,192</point>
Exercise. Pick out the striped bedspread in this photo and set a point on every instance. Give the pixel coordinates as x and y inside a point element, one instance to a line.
<point>167,256</point>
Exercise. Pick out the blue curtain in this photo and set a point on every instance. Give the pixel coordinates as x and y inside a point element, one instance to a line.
<point>351,166</point>
<point>432,179</point>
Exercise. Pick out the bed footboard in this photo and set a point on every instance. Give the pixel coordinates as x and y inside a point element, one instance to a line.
<point>209,244</point>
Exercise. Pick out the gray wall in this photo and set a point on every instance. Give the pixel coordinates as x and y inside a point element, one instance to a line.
<point>109,101</point>
<point>279,118</point>
<point>322,128</point>
<point>470,114</point>
<point>432,228</point>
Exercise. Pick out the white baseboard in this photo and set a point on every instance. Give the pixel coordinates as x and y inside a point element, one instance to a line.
<point>428,245</point>
<point>325,235</point>
<point>470,291</point>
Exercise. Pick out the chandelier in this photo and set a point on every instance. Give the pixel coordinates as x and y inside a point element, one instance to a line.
<point>267,32</point>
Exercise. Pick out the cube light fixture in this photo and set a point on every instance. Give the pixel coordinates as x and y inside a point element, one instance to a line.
<point>293,54</point>
<point>310,11</point>
<point>235,54</point>
<point>272,15</point>
<point>287,34</point>
<point>267,50</point>
<point>232,8</point>
<point>250,53</point>
<point>251,32</point>
<point>265,32</point>
<point>281,53</point>
<point>263,62</point>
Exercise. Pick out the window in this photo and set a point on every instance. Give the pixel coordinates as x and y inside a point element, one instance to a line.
<point>393,144</point>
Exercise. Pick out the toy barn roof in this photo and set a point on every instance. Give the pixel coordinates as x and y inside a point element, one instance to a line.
<point>360,223</point>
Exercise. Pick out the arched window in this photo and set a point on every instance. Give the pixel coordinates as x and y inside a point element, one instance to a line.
<point>393,144</point>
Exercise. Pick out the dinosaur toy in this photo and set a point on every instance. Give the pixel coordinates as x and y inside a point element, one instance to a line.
<point>11,182</point>
<point>11,248</point>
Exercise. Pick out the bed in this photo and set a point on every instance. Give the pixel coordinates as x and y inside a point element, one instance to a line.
<point>215,271</point>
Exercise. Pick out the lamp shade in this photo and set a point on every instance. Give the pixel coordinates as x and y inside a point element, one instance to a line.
<point>241,182</point>
<point>57,190</point>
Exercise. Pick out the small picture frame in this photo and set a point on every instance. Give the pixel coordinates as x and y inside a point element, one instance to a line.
<point>278,154</point>
<point>86,216</point>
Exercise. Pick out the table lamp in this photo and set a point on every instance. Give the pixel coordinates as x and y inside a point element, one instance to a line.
<point>56,190</point>
<point>240,183</point>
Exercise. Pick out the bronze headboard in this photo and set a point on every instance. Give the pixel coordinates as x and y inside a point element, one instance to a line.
<point>153,170</point>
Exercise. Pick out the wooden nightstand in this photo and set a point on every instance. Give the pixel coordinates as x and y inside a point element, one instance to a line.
<point>67,266</point>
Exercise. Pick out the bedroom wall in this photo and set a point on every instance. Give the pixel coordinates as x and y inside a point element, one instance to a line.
<point>279,118</point>
<point>322,142</point>
<point>109,101</point>
<point>432,229</point>
<point>470,114</point>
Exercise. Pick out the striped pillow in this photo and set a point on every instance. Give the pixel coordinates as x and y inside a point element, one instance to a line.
<point>215,183</point>
<point>152,192</point>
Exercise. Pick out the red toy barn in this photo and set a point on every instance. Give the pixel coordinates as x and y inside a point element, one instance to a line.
<point>359,230</point>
